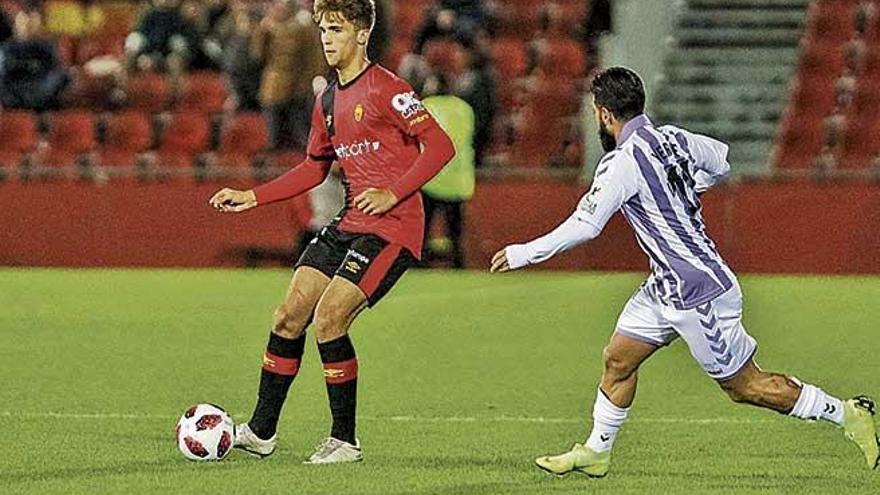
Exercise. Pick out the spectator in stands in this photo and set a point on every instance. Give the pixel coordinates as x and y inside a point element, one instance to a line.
<point>31,75</point>
<point>865,14</point>
<point>455,19</point>
<point>74,19</point>
<point>454,185</point>
<point>162,40</point>
<point>475,84</point>
<point>6,31</point>
<point>289,47</point>
<point>244,71</point>
<point>215,23</point>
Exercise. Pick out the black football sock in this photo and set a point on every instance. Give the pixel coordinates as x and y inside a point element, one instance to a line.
<point>340,373</point>
<point>280,366</point>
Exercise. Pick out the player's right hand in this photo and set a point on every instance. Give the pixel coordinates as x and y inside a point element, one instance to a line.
<point>233,200</point>
<point>499,262</point>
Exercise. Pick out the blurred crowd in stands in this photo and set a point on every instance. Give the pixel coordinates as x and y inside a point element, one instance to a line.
<point>188,88</point>
<point>495,55</point>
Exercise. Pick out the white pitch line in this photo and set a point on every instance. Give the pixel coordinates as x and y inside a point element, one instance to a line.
<point>406,419</point>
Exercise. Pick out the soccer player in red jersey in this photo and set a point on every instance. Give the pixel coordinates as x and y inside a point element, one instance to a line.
<point>372,123</point>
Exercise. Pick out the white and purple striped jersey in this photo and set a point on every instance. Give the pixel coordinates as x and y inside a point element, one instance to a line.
<point>654,177</point>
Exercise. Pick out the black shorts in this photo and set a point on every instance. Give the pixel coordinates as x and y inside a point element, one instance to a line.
<point>366,260</point>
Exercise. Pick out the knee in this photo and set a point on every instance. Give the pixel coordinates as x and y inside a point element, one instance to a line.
<point>330,323</point>
<point>617,367</point>
<point>289,322</point>
<point>291,319</point>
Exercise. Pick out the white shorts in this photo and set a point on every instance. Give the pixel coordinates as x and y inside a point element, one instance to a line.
<point>713,331</point>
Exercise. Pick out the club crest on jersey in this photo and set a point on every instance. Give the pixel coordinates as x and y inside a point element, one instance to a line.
<point>358,112</point>
<point>408,104</point>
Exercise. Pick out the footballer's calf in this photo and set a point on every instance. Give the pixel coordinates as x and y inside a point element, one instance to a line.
<point>754,386</point>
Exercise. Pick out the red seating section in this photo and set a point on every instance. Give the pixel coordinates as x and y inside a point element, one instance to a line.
<point>18,137</point>
<point>833,117</point>
<point>71,136</point>
<point>116,121</point>
<point>243,136</point>
<point>202,92</point>
<point>127,135</point>
<point>185,136</point>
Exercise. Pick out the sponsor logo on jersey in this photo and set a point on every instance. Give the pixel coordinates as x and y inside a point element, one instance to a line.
<point>346,151</point>
<point>408,104</point>
<point>418,120</point>
<point>358,112</point>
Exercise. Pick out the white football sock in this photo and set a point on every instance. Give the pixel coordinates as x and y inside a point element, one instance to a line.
<point>607,420</point>
<point>814,403</point>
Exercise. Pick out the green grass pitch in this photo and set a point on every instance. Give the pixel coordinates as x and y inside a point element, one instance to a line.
<point>465,378</point>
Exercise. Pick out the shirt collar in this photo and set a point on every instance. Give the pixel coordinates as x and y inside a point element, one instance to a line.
<point>635,123</point>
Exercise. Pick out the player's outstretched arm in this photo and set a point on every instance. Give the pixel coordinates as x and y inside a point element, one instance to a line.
<point>570,233</point>
<point>233,201</point>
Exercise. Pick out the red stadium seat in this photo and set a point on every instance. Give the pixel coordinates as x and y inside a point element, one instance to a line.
<point>127,135</point>
<point>243,136</point>
<point>441,53</point>
<point>801,141</point>
<point>559,57</point>
<point>408,17</point>
<point>202,92</point>
<point>821,56</point>
<point>148,92</point>
<point>71,136</point>
<point>519,19</point>
<point>18,136</point>
<point>831,20</point>
<point>554,96</point>
<point>185,136</point>
<point>509,57</point>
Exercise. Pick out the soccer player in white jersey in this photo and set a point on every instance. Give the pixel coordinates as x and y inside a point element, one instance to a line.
<point>654,175</point>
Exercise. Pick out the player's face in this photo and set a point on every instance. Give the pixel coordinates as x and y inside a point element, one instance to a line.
<point>603,119</point>
<point>343,42</point>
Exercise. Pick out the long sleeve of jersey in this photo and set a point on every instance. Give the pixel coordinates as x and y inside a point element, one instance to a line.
<point>407,113</point>
<point>613,184</point>
<point>310,173</point>
<point>437,150</point>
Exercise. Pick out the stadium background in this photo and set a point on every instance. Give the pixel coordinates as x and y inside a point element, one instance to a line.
<point>791,84</point>
<point>467,377</point>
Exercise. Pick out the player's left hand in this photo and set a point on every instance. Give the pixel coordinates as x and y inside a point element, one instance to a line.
<point>499,262</point>
<point>375,201</point>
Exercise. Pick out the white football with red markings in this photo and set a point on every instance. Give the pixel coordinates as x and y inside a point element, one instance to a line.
<point>205,433</point>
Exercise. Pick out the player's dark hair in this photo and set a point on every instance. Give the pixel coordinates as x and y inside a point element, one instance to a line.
<point>361,13</point>
<point>620,90</point>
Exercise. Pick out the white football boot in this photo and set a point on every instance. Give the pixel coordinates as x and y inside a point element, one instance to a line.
<point>248,441</point>
<point>333,451</point>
